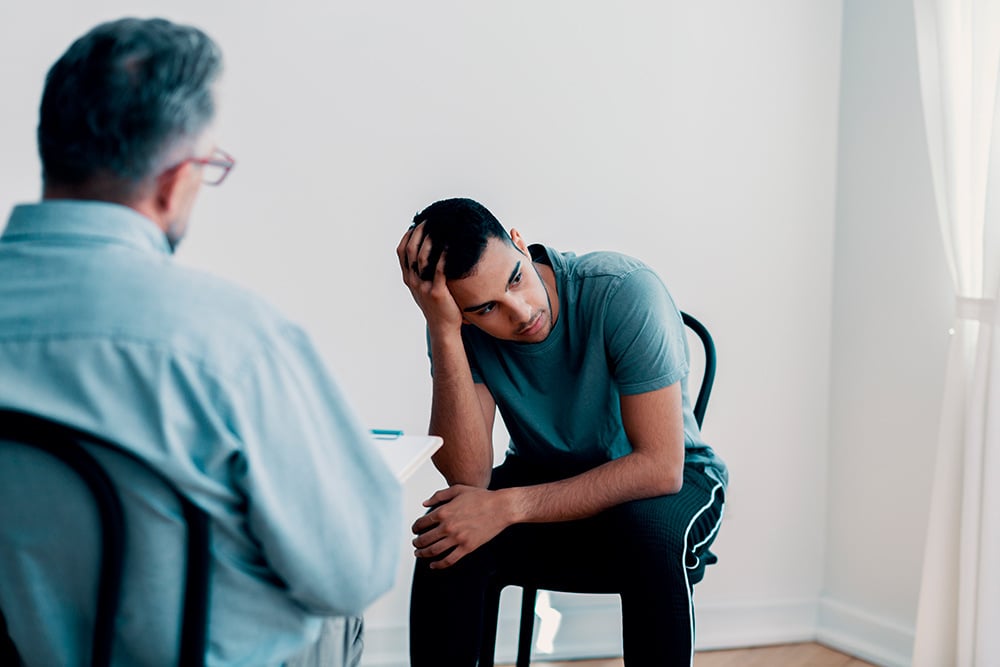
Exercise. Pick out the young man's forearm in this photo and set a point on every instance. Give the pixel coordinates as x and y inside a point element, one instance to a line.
<point>466,457</point>
<point>632,477</point>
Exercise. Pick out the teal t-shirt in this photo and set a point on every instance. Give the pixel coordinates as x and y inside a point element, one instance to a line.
<point>618,333</point>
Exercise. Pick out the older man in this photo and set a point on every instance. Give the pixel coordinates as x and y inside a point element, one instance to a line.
<point>101,329</point>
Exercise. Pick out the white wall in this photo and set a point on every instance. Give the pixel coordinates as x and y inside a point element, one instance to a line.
<point>700,137</point>
<point>892,310</point>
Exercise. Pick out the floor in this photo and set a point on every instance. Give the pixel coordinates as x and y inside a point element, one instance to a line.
<point>785,655</point>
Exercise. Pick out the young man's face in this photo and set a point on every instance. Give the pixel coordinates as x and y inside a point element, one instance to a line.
<point>505,296</point>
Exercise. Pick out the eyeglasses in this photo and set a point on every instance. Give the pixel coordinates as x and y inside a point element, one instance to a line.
<point>216,167</point>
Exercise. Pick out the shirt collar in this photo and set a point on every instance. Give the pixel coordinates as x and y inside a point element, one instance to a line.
<point>85,220</point>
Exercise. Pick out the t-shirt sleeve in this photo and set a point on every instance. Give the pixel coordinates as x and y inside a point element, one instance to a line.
<point>644,335</point>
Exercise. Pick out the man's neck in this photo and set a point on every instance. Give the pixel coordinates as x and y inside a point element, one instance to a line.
<point>548,277</point>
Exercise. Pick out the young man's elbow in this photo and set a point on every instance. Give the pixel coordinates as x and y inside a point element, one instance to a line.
<point>663,477</point>
<point>673,484</point>
<point>670,482</point>
<point>479,477</point>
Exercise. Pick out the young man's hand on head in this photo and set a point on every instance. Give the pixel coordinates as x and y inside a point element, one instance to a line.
<point>426,282</point>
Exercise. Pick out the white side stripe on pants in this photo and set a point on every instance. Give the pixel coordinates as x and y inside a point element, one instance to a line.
<point>711,533</point>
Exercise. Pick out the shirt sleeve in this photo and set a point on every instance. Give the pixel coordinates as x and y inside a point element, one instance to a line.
<point>644,335</point>
<point>322,503</point>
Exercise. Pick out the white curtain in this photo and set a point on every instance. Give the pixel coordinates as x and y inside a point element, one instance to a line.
<point>958,619</point>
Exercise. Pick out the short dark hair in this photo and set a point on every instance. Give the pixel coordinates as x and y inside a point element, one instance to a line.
<point>463,228</point>
<point>121,97</point>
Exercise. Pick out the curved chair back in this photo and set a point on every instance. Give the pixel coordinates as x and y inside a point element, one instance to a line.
<point>708,374</point>
<point>70,447</point>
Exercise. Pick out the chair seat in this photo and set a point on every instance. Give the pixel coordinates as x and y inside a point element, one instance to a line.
<point>593,581</point>
<point>596,582</point>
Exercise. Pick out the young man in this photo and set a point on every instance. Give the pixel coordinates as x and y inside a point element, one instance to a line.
<point>100,329</point>
<point>586,359</point>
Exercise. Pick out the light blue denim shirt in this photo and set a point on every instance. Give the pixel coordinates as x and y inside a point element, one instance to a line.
<point>101,329</point>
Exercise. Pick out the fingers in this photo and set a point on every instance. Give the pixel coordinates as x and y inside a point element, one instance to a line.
<point>418,259</point>
<point>423,524</point>
<point>456,555</point>
<point>413,246</point>
<point>401,250</point>
<point>445,535</point>
<point>446,553</point>
<point>427,521</point>
<point>428,537</point>
<point>440,282</point>
<point>441,496</point>
<point>407,250</point>
<point>435,543</point>
<point>424,250</point>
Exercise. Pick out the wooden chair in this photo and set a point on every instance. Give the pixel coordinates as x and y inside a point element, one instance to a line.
<point>597,583</point>
<point>72,448</point>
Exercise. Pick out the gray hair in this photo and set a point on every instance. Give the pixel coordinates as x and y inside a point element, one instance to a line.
<point>122,97</point>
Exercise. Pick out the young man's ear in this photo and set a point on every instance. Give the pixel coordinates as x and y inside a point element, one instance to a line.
<point>518,240</point>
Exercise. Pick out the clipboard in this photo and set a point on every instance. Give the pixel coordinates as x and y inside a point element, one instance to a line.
<point>404,453</point>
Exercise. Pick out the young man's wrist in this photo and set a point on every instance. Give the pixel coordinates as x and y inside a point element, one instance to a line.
<point>447,336</point>
<point>517,509</point>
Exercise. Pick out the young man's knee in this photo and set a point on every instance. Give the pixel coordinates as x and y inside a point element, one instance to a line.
<point>654,521</point>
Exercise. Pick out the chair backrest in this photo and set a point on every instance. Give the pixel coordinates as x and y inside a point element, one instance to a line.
<point>72,448</point>
<point>708,374</point>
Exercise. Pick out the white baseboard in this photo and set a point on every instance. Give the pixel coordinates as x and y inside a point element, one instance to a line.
<point>591,627</point>
<point>868,636</point>
<point>738,625</point>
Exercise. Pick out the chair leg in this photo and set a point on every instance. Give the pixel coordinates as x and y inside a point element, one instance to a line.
<point>8,652</point>
<point>527,627</point>
<point>491,623</point>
